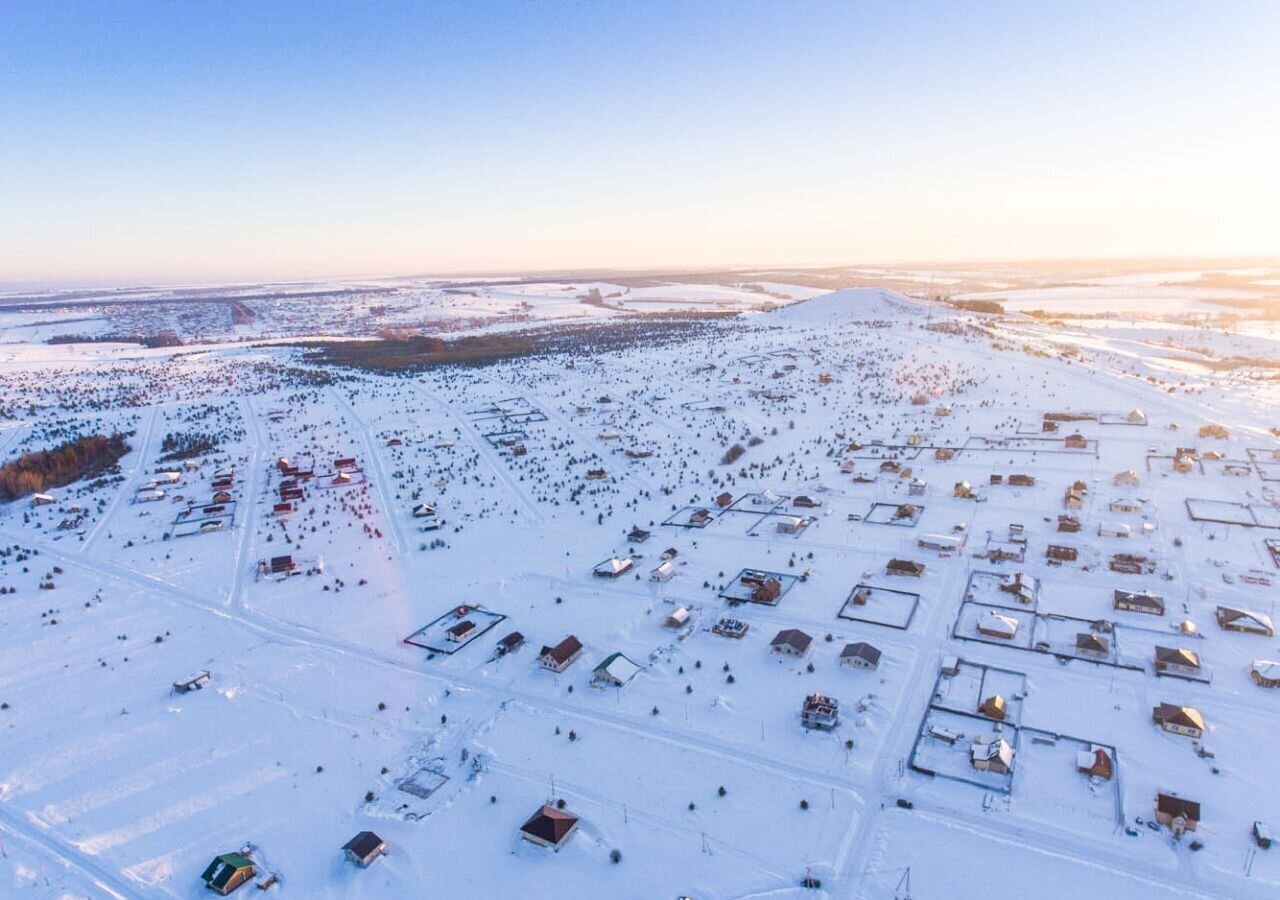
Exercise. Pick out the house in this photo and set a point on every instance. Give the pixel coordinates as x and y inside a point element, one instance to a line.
<point>991,756</point>
<point>678,619</point>
<point>1136,416</point>
<point>791,642</point>
<point>963,490</point>
<point>942,411</point>
<point>1215,431</point>
<point>943,543</point>
<point>42,499</point>
<point>996,479</point>
<point>1125,505</point>
<point>342,478</point>
<point>1075,441</point>
<point>820,712</point>
<point>944,454</point>
<point>1176,661</point>
<point>1127,478</point>
<point>227,872</point>
<point>460,631</point>
<point>1265,673</point>
<point>860,655</point>
<point>281,565</point>
<point>1138,602</point>
<point>281,509</point>
<point>613,568</point>
<point>1068,524</point>
<point>904,567</point>
<point>637,536</point>
<point>424,511</point>
<point>724,500</point>
<point>1018,480</point>
<point>905,511</point>
<point>1097,763</point>
<point>767,591</point>
<point>1244,621</point>
<point>791,524</point>
<point>1061,553</point>
<point>221,497</point>
<point>614,671</point>
<point>562,655</point>
<point>345,462</point>
<point>916,488</point>
<point>700,517</point>
<point>950,666</point>
<point>994,707</point>
<point>364,848</point>
<point>1024,587</point>
<point>1176,813</point>
<point>511,643</point>
<point>549,827</point>
<point>596,474</point>
<point>1073,499</point>
<point>664,571</point>
<point>670,553</point>
<point>151,495</point>
<point>1183,720</point>
<point>994,625</point>
<point>806,502</point>
<point>1130,564</point>
<point>1091,644</point>
<point>212,525</point>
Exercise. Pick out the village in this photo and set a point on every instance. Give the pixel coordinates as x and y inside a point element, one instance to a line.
<point>832,595</point>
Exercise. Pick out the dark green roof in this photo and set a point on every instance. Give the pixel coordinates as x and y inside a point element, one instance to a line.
<point>223,867</point>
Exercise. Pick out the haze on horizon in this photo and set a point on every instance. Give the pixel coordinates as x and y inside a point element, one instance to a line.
<point>261,141</point>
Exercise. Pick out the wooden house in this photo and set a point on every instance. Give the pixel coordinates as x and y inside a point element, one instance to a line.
<point>1176,661</point>
<point>860,655</point>
<point>227,872</point>
<point>1140,602</point>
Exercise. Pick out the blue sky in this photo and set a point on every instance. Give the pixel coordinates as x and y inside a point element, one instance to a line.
<point>194,141</point>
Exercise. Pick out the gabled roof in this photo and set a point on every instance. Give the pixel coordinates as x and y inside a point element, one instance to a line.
<point>1177,656</point>
<point>861,650</point>
<point>219,872</point>
<point>791,637</point>
<point>617,669</point>
<point>1177,806</point>
<point>364,844</point>
<point>1184,716</point>
<point>563,651</point>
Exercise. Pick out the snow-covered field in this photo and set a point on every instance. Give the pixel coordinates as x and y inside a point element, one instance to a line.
<point>324,515</point>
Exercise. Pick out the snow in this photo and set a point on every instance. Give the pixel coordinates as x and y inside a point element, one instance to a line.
<point>317,708</point>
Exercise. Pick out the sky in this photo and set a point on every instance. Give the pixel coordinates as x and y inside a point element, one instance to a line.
<point>193,141</point>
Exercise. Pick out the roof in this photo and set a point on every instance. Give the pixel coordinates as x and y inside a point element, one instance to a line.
<point>562,651</point>
<point>993,621</point>
<point>1177,656</point>
<point>550,824</point>
<point>219,872</point>
<point>1177,806</point>
<point>617,668</point>
<point>792,637</point>
<point>364,844</point>
<point>1186,716</point>
<point>997,749</point>
<point>861,650</point>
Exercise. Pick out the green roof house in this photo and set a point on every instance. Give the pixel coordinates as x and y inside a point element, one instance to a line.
<point>227,872</point>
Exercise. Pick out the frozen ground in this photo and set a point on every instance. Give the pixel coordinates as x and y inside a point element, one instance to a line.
<point>698,770</point>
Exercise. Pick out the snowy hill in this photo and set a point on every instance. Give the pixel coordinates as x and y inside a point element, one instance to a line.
<point>852,305</point>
